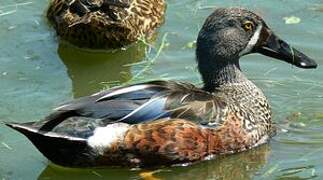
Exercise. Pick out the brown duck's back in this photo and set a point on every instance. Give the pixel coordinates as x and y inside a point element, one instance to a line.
<point>96,29</point>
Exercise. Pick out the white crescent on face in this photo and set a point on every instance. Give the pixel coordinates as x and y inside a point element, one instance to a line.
<point>252,42</point>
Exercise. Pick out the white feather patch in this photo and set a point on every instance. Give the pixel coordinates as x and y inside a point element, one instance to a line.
<point>125,90</point>
<point>60,107</point>
<point>104,137</point>
<point>252,42</point>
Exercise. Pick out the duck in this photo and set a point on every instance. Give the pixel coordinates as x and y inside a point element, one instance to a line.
<point>105,24</point>
<point>160,123</point>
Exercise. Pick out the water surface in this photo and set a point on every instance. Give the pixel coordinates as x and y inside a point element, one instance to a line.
<point>38,73</point>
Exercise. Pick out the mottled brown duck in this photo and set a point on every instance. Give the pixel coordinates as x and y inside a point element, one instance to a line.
<point>167,122</point>
<point>105,24</point>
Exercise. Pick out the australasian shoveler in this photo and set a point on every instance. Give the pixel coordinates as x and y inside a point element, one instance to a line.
<point>105,24</point>
<point>166,122</point>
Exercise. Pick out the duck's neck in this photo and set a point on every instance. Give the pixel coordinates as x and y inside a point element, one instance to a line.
<point>221,73</point>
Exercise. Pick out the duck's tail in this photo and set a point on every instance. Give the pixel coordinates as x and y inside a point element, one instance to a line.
<point>60,149</point>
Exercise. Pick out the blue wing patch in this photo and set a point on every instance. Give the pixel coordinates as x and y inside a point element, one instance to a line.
<point>151,110</point>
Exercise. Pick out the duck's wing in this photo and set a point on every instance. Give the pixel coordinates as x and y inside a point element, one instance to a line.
<point>140,103</point>
<point>145,101</point>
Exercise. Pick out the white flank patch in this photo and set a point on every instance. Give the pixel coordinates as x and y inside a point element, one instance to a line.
<point>104,137</point>
<point>252,42</point>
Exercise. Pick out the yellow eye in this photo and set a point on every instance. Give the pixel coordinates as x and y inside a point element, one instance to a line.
<point>248,26</point>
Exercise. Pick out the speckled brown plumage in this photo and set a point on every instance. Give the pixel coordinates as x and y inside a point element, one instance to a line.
<point>181,141</point>
<point>88,23</point>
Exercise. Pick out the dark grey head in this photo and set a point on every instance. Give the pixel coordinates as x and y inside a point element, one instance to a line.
<point>229,33</point>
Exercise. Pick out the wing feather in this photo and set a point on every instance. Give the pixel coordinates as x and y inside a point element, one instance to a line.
<point>140,103</point>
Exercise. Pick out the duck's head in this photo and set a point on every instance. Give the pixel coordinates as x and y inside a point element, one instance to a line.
<point>229,33</point>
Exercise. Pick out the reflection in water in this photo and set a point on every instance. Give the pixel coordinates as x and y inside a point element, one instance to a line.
<point>89,70</point>
<point>55,172</point>
<point>238,166</point>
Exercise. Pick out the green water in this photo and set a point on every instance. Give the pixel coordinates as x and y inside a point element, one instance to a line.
<point>38,73</point>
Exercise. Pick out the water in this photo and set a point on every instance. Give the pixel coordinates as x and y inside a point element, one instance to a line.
<point>37,73</point>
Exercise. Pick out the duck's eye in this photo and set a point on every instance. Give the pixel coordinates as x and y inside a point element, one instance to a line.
<point>248,26</point>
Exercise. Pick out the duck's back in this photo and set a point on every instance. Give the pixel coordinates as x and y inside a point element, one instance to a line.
<point>92,24</point>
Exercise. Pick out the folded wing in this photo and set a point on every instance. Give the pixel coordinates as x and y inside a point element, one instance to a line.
<point>140,103</point>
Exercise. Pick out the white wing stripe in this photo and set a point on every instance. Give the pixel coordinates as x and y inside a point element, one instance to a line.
<point>139,108</point>
<point>125,90</point>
